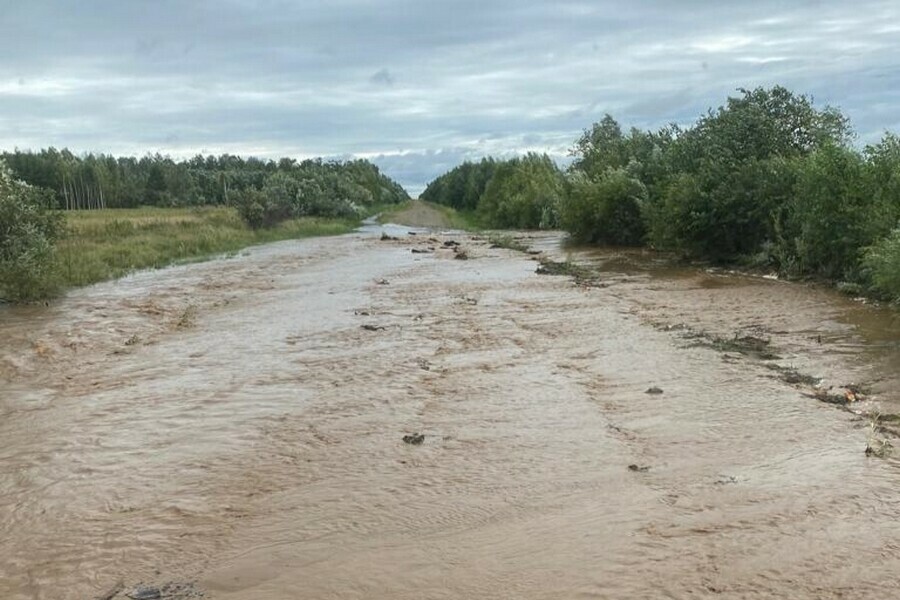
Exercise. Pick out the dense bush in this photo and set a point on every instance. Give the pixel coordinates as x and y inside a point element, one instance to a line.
<point>524,193</point>
<point>316,189</point>
<point>829,214</point>
<point>882,265</point>
<point>767,179</point>
<point>607,210</point>
<point>28,231</point>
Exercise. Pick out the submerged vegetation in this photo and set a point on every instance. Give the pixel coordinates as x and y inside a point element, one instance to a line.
<point>220,205</point>
<point>767,180</point>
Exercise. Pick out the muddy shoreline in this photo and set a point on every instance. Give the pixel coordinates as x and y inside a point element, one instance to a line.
<point>240,424</point>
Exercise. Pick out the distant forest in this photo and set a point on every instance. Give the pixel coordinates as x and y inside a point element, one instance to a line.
<point>102,181</point>
<point>767,180</point>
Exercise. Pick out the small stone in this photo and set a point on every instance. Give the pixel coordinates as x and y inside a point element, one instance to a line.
<point>654,390</point>
<point>415,439</point>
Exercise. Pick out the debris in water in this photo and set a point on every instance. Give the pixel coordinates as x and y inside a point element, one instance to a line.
<point>422,250</point>
<point>382,282</point>
<point>748,345</point>
<point>362,313</point>
<point>638,469</point>
<point>793,376</point>
<point>415,439</point>
<point>187,317</point>
<point>170,591</point>
<point>145,593</point>
<point>654,390</point>
<point>848,396</point>
<point>460,254</point>
<point>876,444</point>
<point>726,479</point>
<point>583,276</point>
<point>385,237</point>
<point>451,243</point>
<point>368,327</point>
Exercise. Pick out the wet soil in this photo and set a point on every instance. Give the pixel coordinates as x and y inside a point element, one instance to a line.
<point>421,214</point>
<point>239,426</point>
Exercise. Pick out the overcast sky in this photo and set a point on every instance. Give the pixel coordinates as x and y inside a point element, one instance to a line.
<point>419,85</point>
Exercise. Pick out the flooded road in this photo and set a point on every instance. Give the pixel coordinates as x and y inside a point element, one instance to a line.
<point>238,425</point>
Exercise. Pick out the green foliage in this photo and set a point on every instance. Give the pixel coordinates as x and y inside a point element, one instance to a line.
<point>722,216</point>
<point>101,181</point>
<point>28,231</point>
<point>606,210</point>
<point>830,214</point>
<point>524,193</point>
<point>767,179</point>
<point>334,190</point>
<point>882,181</point>
<point>728,180</point>
<point>882,265</point>
<point>759,124</point>
<point>463,186</point>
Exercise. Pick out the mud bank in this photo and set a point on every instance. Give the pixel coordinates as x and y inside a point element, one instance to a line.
<point>240,425</point>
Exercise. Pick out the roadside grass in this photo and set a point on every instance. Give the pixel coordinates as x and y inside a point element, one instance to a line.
<point>106,244</point>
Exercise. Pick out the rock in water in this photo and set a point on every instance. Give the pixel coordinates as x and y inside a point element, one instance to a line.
<point>415,439</point>
<point>654,390</point>
<point>145,593</point>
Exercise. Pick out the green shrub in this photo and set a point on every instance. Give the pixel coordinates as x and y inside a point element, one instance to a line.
<point>29,229</point>
<point>882,266</point>
<point>283,197</point>
<point>829,219</point>
<point>607,210</point>
<point>523,193</point>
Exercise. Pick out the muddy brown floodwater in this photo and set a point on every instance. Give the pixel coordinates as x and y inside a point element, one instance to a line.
<point>233,428</point>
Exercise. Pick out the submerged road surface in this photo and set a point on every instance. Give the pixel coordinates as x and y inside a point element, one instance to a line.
<point>234,429</point>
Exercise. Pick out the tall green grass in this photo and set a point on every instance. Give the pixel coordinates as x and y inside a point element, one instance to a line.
<point>106,244</point>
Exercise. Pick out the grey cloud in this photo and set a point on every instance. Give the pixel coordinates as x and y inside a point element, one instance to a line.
<point>313,78</point>
<point>382,77</point>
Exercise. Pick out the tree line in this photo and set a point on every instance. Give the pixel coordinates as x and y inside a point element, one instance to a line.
<point>35,186</point>
<point>92,181</point>
<point>766,180</point>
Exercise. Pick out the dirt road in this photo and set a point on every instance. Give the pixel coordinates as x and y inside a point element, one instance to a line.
<point>235,427</point>
<point>421,214</point>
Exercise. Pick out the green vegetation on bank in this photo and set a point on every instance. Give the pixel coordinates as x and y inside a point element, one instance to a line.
<point>767,180</point>
<point>28,232</point>
<point>41,252</point>
<point>106,244</point>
